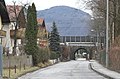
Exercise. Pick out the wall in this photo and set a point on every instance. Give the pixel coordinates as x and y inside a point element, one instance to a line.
<point>74,48</point>
<point>0,28</point>
<point>6,41</point>
<point>19,61</point>
<point>0,23</point>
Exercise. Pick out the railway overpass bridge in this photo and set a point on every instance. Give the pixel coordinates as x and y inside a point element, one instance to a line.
<point>82,46</point>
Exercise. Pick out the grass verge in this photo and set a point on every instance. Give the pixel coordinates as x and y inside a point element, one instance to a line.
<point>10,73</point>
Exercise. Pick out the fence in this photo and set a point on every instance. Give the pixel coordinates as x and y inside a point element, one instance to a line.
<point>18,61</point>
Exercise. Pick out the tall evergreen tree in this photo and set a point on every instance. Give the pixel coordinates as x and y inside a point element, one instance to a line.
<point>54,39</point>
<point>31,33</point>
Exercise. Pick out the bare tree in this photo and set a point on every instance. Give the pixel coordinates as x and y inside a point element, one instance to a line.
<point>19,21</point>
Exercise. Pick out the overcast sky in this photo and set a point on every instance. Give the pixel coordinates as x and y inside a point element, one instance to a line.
<point>45,4</point>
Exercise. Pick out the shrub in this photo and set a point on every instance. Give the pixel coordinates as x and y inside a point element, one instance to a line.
<point>43,55</point>
<point>102,56</point>
<point>114,55</point>
<point>115,58</point>
<point>65,52</point>
<point>54,55</point>
<point>46,55</point>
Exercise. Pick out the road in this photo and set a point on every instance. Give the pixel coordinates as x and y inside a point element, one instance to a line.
<point>65,70</point>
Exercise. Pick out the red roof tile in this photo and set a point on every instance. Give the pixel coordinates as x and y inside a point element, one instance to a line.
<point>10,9</point>
<point>40,21</point>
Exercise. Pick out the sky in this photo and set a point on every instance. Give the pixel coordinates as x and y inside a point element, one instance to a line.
<point>46,4</point>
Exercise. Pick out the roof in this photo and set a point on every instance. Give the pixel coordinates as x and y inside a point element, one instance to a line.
<point>10,9</point>
<point>3,12</point>
<point>41,22</point>
<point>20,14</point>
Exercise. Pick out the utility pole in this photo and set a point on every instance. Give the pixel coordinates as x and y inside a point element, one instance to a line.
<point>107,24</point>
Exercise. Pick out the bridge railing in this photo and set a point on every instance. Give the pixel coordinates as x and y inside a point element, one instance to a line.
<point>80,39</point>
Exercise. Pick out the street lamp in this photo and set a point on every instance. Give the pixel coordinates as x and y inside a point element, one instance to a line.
<point>107,20</point>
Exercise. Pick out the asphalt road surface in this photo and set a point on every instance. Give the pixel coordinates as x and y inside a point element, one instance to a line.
<point>65,70</point>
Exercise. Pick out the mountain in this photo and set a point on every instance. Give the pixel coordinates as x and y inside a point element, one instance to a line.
<point>69,21</point>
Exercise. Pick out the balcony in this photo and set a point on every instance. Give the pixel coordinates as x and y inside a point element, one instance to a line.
<point>2,33</point>
<point>20,33</point>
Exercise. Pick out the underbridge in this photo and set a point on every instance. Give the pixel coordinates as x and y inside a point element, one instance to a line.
<point>81,48</point>
<point>86,46</point>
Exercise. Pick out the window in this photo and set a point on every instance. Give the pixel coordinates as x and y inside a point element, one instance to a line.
<point>82,39</point>
<point>77,38</point>
<point>72,39</point>
<point>67,38</point>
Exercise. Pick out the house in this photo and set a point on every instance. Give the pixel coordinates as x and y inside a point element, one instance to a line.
<point>42,33</point>
<point>20,33</point>
<point>17,20</point>
<point>21,27</point>
<point>4,26</point>
<point>20,15</point>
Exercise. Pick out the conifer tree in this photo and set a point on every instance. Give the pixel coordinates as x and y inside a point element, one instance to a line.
<point>31,33</point>
<point>54,39</point>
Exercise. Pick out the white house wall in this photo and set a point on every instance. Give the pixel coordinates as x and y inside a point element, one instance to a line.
<point>18,42</point>
<point>6,41</point>
<point>0,29</point>
<point>0,23</point>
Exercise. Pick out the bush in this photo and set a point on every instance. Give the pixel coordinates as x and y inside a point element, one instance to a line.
<point>115,58</point>
<point>114,55</point>
<point>65,52</point>
<point>102,57</point>
<point>46,55</point>
<point>43,55</point>
<point>54,55</point>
